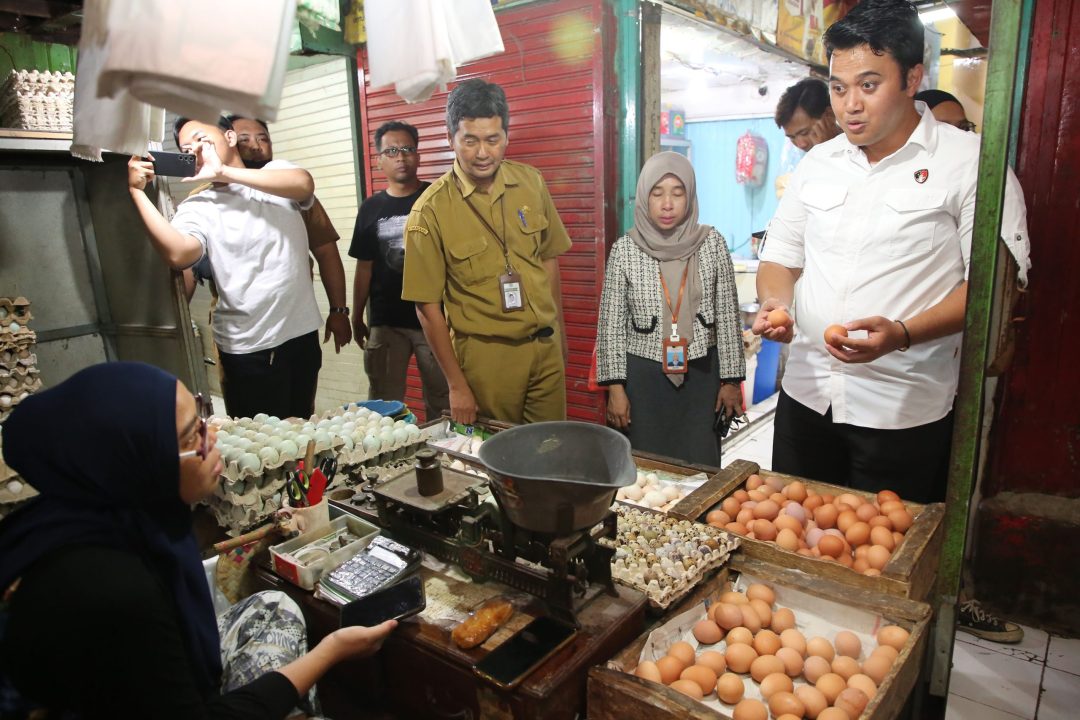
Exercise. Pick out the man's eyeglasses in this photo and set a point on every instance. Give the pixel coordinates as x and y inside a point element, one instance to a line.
<point>202,410</point>
<point>966,126</point>
<point>392,151</point>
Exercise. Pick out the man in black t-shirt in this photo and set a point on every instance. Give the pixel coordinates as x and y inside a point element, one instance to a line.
<point>378,246</point>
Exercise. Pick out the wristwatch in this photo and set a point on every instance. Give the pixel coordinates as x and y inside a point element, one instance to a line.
<point>342,310</point>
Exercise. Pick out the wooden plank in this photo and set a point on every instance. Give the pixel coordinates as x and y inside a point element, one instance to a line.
<point>718,487</point>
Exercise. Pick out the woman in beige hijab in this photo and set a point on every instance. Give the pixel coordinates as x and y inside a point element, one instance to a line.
<point>669,339</point>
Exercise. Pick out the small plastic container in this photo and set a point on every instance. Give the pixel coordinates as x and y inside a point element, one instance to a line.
<point>306,574</point>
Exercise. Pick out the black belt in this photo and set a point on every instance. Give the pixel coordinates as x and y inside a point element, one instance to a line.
<point>542,333</point>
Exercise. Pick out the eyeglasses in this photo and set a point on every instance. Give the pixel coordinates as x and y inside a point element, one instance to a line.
<point>392,151</point>
<point>966,126</point>
<point>202,410</point>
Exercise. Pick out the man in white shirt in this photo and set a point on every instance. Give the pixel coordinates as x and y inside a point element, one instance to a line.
<point>248,224</point>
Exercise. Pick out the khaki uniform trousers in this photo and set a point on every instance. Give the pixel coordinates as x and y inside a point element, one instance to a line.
<point>517,381</point>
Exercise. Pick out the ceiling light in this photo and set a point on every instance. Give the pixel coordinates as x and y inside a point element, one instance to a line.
<point>937,14</point>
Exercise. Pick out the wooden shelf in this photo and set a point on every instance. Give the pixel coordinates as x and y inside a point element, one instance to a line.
<point>34,140</point>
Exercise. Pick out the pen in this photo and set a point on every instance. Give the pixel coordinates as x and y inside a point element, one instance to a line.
<point>521,214</point>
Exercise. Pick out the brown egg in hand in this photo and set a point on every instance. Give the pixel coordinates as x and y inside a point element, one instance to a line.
<point>835,334</point>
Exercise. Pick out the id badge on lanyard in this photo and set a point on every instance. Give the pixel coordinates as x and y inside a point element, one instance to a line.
<point>674,347</point>
<point>512,291</point>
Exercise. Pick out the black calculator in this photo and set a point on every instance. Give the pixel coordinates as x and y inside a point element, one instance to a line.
<point>383,562</point>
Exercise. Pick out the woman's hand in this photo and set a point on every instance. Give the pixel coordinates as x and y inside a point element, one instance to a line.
<point>730,399</point>
<point>358,641</point>
<point>618,407</point>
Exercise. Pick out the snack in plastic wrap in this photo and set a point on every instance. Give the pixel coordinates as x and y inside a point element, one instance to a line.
<point>479,626</point>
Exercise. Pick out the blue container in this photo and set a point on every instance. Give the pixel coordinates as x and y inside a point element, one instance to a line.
<point>768,364</point>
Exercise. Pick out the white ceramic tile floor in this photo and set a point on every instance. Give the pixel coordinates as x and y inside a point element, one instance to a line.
<point>1036,679</point>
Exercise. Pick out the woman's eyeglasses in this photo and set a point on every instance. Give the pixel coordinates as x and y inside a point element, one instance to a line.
<point>394,151</point>
<point>966,125</point>
<point>202,410</point>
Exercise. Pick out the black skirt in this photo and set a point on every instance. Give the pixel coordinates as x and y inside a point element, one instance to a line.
<point>674,421</point>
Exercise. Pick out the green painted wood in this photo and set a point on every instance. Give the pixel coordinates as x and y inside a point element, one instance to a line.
<point>20,52</point>
<point>997,118</point>
<point>628,74</point>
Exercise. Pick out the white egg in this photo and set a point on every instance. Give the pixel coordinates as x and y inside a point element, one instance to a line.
<point>399,423</point>
<point>322,440</point>
<point>308,428</point>
<point>372,444</point>
<point>268,455</point>
<point>348,427</point>
<point>347,442</point>
<point>302,441</point>
<point>620,494</point>
<point>654,499</point>
<point>261,418</point>
<point>250,461</point>
<point>14,487</point>
<point>386,421</point>
<point>261,438</point>
<point>653,478</point>
<point>288,449</point>
<point>414,432</point>
<point>634,493</point>
<point>671,492</point>
<point>641,480</point>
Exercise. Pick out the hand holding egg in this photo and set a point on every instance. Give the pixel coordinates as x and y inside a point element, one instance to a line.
<point>773,322</point>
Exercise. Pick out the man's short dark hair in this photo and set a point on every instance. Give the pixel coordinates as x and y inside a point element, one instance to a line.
<point>233,118</point>
<point>392,126</point>
<point>810,94</point>
<point>476,98</point>
<point>933,98</point>
<point>887,26</point>
<point>222,122</point>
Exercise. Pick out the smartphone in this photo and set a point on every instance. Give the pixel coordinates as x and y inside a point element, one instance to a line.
<point>173,164</point>
<point>509,664</point>
<point>395,602</point>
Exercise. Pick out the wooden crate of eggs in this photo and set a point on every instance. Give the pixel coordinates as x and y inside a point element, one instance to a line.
<point>876,541</point>
<point>660,485</point>
<point>772,643</point>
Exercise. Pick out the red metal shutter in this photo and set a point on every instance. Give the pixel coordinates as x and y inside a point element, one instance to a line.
<point>558,74</point>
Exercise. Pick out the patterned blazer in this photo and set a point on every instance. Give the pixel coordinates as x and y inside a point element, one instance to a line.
<point>632,309</point>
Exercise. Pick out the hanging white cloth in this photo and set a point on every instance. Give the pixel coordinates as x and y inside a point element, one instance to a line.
<point>198,58</point>
<point>121,123</point>
<point>442,36</point>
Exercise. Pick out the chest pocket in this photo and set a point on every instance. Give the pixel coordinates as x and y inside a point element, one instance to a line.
<point>467,261</point>
<point>824,206</point>
<point>529,225</point>
<point>911,222</point>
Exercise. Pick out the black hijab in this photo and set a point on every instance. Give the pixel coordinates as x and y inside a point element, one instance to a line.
<point>101,449</point>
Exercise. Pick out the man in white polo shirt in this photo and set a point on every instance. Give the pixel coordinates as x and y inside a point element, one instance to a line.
<point>248,224</point>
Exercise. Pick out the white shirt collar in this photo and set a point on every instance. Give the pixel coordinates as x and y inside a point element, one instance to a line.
<point>925,135</point>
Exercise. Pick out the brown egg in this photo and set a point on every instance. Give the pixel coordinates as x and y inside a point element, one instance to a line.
<point>670,668</point>
<point>766,642</point>
<point>890,506</point>
<point>845,666</point>
<point>750,710</point>
<point>881,521</point>
<point>852,701</point>
<point>795,640</point>
<point>864,683</point>
<point>717,517</point>
<point>731,506</point>
<point>831,545</point>
<point>866,512</point>
<point>788,540</point>
<point>831,685</point>
<point>888,651</point>
<point>878,557</point>
<point>783,619</point>
<point>738,657</point>
<point>754,482</point>
<point>860,564</point>
<point>729,688</point>
<point>727,615</point>
<point>737,528</point>
<point>740,636</point>
<point>893,636</point>
<point>765,665</point>
<point>848,643</point>
<point>788,522</point>
<point>812,699</point>
<point>764,612</point>
<point>684,651</point>
<point>745,517</point>
<point>750,619</point>
<point>763,530</point>
<point>774,683</point>
<point>858,533</point>
<point>767,509</point>
<point>704,676</point>
<point>882,536</point>
<point>741,495</point>
<point>713,660</point>
<point>775,483</point>
<point>788,716</point>
<point>845,520</point>
<point>796,491</point>
<point>647,670</point>
<point>813,502</point>
<point>832,713</point>
<point>825,516</point>
<point>884,496</point>
<point>815,667</point>
<point>688,688</point>
<point>735,598</point>
<point>845,558</point>
<point>793,661</point>
<point>758,495</point>
<point>708,633</point>
<point>828,498</point>
<point>821,647</point>
<point>901,520</point>
<point>877,667</point>
<point>758,591</point>
<point>805,552</point>
<point>786,703</point>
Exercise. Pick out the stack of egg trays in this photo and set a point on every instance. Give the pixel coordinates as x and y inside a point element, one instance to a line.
<point>18,380</point>
<point>37,100</point>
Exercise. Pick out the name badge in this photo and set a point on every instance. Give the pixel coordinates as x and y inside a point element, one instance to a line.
<point>674,362</point>
<point>513,292</point>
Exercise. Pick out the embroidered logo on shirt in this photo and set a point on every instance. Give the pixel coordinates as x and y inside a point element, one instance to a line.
<point>417,228</point>
<point>921,176</point>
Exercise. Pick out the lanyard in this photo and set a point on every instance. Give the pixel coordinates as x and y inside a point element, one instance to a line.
<point>483,221</point>
<point>678,306</point>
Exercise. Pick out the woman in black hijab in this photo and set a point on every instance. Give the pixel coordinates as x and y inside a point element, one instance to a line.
<point>106,609</point>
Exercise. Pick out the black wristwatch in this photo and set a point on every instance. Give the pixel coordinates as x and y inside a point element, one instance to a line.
<point>342,310</point>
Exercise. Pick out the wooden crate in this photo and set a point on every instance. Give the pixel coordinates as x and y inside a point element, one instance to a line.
<point>615,694</point>
<point>910,572</point>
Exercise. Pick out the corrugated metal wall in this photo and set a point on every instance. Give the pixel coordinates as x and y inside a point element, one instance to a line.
<point>314,130</point>
<point>557,70</point>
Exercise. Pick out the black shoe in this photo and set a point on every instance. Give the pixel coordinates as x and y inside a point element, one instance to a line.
<point>977,621</point>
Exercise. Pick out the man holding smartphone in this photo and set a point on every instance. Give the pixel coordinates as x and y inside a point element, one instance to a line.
<point>248,224</point>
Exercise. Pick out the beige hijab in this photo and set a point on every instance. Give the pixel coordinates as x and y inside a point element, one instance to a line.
<point>676,249</point>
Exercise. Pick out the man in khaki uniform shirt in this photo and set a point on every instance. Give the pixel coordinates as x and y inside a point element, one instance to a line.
<point>483,242</point>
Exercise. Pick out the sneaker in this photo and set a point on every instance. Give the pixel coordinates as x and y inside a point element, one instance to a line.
<point>980,623</point>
